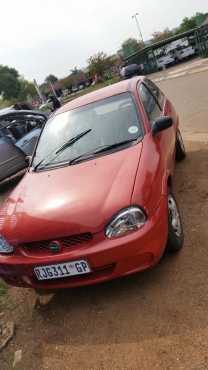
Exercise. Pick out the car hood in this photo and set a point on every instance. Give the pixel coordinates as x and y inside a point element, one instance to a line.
<point>70,200</point>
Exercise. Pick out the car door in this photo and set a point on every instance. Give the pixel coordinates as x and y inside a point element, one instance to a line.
<point>28,142</point>
<point>12,159</point>
<point>155,106</point>
<point>164,104</point>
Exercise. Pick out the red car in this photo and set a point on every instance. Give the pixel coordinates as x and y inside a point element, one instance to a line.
<point>97,202</point>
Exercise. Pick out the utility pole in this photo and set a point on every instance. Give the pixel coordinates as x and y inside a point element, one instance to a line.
<point>138,26</point>
<point>39,92</point>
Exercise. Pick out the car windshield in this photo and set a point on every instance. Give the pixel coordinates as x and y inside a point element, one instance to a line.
<point>86,129</point>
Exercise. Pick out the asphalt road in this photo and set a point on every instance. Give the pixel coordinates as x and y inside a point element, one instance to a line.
<point>154,320</point>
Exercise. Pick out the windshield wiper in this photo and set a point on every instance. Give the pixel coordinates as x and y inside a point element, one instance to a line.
<point>100,149</point>
<point>72,141</point>
<point>66,145</point>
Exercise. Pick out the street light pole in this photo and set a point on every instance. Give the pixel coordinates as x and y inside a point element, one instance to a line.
<point>138,26</point>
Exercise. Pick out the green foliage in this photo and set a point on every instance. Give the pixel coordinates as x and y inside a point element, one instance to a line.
<point>51,78</point>
<point>14,88</point>
<point>192,22</point>
<point>130,46</point>
<point>75,71</point>
<point>9,82</point>
<point>27,89</point>
<point>200,18</point>
<point>187,24</point>
<point>99,64</point>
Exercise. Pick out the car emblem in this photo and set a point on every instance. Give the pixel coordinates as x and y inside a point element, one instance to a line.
<point>55,247</point>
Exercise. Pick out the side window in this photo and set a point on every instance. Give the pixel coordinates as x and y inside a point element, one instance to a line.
<point>150,104</point>
<point>158,94</point>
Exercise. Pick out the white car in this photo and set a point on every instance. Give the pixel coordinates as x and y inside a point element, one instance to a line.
<point>185,53</point>
<point>165,61</point>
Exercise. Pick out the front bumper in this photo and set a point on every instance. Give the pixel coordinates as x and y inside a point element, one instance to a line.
<point>108,259</point>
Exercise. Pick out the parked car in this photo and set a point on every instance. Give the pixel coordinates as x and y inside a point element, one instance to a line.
<point>97,202</point>
<point>166,61</point>
<point>19,132</point>
<point>130,71</point>
<point>74,89</point>
<point>185,53</point>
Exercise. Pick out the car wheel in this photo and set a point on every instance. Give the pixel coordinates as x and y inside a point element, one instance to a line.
<point>175,227</point>
<point>180,148</point>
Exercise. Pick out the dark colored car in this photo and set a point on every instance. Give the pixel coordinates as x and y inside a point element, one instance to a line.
<point>19,132</point>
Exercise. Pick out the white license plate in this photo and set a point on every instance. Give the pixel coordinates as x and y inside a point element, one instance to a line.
<point>62,270</point>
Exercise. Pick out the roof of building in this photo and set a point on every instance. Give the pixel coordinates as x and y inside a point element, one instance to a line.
<point>162,43</point>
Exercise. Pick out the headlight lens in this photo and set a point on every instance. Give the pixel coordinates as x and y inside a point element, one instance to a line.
<point>126,221</point>
<point>5,247</point>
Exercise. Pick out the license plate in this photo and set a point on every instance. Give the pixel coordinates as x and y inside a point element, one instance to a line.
<point>62,270</point>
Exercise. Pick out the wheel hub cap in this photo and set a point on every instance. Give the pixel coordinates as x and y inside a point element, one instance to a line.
<point>174,216</point>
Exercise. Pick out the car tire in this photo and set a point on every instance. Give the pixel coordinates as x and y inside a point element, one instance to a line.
<point>180,147</point>
<point>175,227</point>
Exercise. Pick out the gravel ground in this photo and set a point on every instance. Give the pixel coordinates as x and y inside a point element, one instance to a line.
<point>153,320</point>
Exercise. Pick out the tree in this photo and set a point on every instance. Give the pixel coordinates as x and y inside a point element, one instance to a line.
<point>75,71</point>
<point>27,89</point>
<point>187,24</point>
<point>99,64</point>
<point>192,22</point>
<point>200,18</point>
<point>159,36</point>
<point>9,82</point>
<point>51,78</point>
<point>131,46</point>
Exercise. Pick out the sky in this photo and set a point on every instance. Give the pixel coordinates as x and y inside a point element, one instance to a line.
<point>41,37</point>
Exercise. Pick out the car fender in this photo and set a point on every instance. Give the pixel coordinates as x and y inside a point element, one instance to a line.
<point>151,179</point>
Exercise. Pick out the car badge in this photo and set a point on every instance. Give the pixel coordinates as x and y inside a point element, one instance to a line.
<point>55,247</point>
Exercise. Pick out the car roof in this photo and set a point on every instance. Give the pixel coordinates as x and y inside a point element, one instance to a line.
<point>103,93</point>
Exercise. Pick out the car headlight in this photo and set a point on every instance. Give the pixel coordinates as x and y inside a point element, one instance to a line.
<point>126,221</point>
<point>5,247</point>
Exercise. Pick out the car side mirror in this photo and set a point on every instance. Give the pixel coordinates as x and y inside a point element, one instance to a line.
<point>161,124</point>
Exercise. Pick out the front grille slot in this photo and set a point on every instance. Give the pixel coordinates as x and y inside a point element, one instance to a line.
<point>70,241</point>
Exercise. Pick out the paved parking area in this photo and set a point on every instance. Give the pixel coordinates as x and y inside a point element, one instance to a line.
<point>183,69</point>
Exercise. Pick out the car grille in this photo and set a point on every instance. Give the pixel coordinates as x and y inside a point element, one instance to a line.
<point>65,242</point>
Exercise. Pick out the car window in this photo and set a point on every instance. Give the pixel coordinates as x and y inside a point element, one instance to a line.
<point>109,121</point>
<point>158,94</point>
<point>150,104</point>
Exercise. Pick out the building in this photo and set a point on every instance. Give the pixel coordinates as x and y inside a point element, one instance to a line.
<point>147,57</point>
